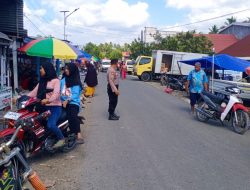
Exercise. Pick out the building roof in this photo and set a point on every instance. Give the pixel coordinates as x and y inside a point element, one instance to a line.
<point>221,41</point>
<point>244,24</point>
<point>239,49</point>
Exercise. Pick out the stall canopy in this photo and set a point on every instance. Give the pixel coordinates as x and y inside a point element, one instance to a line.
<point>221,61</point>
<point>85,55</point>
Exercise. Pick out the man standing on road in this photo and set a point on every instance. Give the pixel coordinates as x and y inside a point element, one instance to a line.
<point>196,83</point>
<point>113,86</point>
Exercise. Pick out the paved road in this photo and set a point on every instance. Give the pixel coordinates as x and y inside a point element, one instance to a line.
<point>158,145</point>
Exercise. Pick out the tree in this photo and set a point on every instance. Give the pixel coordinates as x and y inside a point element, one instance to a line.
<point>185,42</point>
<point>247,21</point>
<point>230,20</point>
<point>214,29</point>
<point>92,49</point>
<point>137,48</point>
<point>115,54</point>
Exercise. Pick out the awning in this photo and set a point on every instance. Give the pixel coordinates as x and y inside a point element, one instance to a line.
<point>4,36</point>
<point>221,61</point>
<point>4,39</point>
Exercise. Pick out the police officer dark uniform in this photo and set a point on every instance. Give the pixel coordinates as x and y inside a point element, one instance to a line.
<point>113,89</point>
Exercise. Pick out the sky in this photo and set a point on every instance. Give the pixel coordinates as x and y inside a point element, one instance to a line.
<point>120,21</point>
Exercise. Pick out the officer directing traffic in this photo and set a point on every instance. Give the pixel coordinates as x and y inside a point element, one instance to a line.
<point>113,89</point>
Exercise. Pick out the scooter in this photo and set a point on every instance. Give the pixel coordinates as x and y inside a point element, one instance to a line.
<point>175,83</point>
<point>225,107</point>
<point>14,169</point>
<point>38,137</point>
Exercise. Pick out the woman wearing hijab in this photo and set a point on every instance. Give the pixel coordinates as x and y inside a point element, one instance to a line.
<point>90,80</point>
<point>71,88</point>
<point>50,101</point>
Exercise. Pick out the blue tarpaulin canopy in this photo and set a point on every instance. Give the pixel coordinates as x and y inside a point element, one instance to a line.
<point>221,61</point>
<point>86,55</point>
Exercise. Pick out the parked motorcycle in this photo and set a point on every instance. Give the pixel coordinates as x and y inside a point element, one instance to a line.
<point>14,169</point>
<point>38,137</point>
<point>176,83</point>
<point>225,107</point>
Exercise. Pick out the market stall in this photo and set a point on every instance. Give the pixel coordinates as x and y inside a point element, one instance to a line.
<point>5,89</point>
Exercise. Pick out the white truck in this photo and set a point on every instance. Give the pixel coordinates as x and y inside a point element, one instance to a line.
<point>163,62</point>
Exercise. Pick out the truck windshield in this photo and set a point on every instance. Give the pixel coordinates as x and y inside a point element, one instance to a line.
<point>130,62</point>
<point>145,60</point>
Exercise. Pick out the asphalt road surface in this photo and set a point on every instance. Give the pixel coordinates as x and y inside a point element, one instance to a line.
<point>158,145</point>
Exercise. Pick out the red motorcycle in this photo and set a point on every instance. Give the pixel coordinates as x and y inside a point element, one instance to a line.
<point>37,137</point>
<point>14,168</point>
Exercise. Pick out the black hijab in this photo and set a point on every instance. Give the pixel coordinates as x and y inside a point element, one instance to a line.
<point>74,77</point>
<point>91,76</point>
<point>50,73</point>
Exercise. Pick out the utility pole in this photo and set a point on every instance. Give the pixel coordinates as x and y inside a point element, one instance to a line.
<point>142,41</point>
<point>65,20</point>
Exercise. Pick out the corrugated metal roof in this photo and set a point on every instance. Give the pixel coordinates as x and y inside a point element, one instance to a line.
<point>236,24</point>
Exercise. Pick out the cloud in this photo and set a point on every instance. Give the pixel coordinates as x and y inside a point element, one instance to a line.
<point>96,20</point>
<point>200,10</point>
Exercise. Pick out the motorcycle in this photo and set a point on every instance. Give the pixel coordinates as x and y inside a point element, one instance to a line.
<point>224,107</point>
<point>175,83</point>
<point>38,137</point>
<point>14,169</point>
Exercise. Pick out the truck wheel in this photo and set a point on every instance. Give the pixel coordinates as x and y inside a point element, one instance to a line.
<point>145,77</point>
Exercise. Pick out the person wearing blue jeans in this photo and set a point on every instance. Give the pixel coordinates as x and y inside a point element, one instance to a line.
<point>50,101</point>
<point>52,120</point>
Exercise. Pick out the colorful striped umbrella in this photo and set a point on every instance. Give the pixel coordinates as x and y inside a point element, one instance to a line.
<point>51,48</point>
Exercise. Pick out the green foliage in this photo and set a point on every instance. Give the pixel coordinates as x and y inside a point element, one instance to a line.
<point>115,54</point>
<point>106,50</point>
<point>92,49</point>
<point>183,42</point>
<point>214,29</point>
<point>230,20</point>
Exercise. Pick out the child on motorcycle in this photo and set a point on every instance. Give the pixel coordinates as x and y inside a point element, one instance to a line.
<point>71,88</point>
<point>50,101</point>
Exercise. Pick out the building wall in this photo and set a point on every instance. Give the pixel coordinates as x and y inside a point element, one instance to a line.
<point>150,33</point>
<point>239,31</point>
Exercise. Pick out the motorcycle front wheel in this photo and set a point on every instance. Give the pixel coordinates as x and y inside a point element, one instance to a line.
<point>201,117</point>
<point>241,124</point>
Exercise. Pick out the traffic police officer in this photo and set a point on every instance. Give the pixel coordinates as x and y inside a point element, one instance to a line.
<point>113,89</point>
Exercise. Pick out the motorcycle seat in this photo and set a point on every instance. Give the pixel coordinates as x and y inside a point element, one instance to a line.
<point>213,97</point>
<point>62,118</point>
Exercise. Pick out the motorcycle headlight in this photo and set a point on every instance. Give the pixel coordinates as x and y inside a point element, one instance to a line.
<point>23,104</point>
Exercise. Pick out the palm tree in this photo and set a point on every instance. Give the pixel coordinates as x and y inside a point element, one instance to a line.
<point>247,21</point>
<point>230,20</point>
<point>214,29</point>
